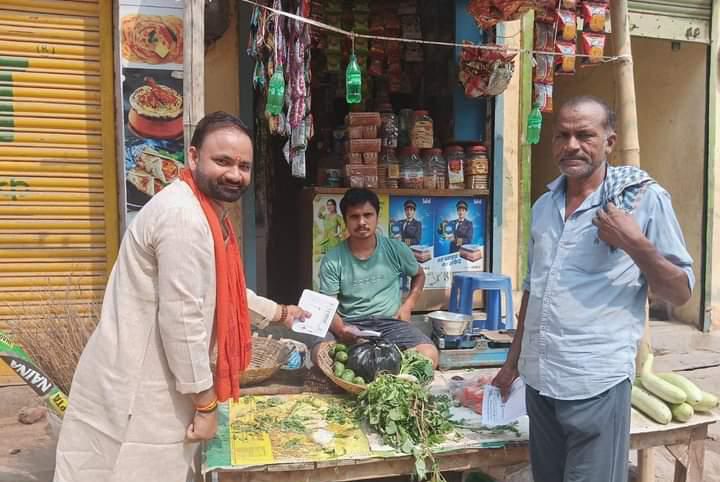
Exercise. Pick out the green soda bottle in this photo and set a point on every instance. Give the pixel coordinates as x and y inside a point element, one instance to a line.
<point>353,82</point>
<point>276,92</point>
<point>534,125</point>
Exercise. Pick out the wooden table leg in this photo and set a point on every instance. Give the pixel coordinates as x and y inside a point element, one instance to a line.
<point>691,469</point>
<point>646,465</point>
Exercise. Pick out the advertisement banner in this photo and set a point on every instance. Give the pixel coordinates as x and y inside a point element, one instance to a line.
<point>151,69</point>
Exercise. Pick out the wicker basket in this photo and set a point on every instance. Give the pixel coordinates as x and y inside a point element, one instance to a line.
<point>325,362</point>
<point>267,357</point>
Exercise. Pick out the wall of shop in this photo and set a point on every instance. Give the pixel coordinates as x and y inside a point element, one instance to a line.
<point>671,104</point>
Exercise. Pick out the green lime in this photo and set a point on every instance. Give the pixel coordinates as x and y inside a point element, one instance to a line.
<point>340,347</point>
<point>358,381</point>
<point>348,375</point>
<point>339,369</point>
<point>331,351</point>
<point>341,356</point>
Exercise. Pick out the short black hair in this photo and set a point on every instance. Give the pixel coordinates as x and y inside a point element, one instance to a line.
<point>610,122</point>
<point>212,122</point>
<point>331,201</point>
<point>357,196</point>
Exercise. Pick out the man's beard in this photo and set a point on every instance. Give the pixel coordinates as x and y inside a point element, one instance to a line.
<point>217,191</point>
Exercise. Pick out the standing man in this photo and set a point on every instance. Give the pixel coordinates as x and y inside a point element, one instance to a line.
<point>144,390</point>
<point>364,272</point>
<point>462,228</point>
<point>600,238</point>
<point>411,232</point>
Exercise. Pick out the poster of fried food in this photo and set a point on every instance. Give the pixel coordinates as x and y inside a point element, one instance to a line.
<point>151,36</point>
<point>154,155</point>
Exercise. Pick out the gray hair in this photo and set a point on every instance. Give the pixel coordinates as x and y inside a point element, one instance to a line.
<point>610,119</point>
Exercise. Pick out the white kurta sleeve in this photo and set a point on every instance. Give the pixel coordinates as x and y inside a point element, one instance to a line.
<point>185,265</point>
<point>262,310</point>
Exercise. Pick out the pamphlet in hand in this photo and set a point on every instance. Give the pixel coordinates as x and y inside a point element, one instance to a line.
<point>322,309</point>
<point>496,412</point>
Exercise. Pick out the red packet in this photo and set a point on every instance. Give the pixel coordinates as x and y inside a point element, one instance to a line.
<point>565,62</point>
<point>592,44</point>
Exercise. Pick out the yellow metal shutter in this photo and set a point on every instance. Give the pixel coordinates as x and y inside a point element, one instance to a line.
<point>58,193</point>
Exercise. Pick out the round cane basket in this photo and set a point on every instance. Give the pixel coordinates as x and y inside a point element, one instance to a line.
<point>267,357</point>
<point>325,362</point>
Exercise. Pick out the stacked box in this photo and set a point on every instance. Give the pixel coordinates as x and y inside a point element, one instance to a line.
<point>362,149</point>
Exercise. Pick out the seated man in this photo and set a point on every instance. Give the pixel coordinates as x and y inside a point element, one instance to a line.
<point>364,273</point>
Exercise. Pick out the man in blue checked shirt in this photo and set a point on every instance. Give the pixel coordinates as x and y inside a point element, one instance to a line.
<point>601,236</point>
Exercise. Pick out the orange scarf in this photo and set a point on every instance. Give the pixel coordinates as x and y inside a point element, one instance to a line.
<point>232,321</point>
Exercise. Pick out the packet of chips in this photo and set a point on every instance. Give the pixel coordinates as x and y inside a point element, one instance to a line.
<point>565,62</point>
<point>543,96</point>
<point>567,25</point>
<point>544,68</point>
<point>592,44</point>
<point>544,37</point>
<point>594,15</point>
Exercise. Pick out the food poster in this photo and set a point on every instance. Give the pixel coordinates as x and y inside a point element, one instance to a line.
<point>328,229</point>
<point>151,55</point>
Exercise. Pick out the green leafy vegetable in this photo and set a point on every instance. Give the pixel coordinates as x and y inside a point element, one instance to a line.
<point>418,365</point>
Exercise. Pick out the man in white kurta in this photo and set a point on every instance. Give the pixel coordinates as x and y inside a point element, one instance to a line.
<point>131,404</point>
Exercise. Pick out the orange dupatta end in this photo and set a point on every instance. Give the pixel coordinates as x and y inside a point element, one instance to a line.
<point>232,320</point>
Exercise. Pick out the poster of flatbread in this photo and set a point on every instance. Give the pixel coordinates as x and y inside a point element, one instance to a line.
<point>151,36</point>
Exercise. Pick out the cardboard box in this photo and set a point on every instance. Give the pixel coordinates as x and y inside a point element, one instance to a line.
<point>363,145</point>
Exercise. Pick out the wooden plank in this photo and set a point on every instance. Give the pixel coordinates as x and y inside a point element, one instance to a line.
<point>692,471</point>
<point>484,459</point>
<point>525,204</point>
<point>194,66</point>
<point>646,465</point>
<point>712,230</point>
<point>669,437</point>
<point>409,192</point>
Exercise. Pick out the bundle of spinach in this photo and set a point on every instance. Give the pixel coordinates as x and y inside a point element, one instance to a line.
<point>408,418</point>
<point>418,365</point>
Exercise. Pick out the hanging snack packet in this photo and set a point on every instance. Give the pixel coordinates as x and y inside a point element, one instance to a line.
<point>594,15</point>
<point>544,37</point>
<point>568,4</point>
<point>543,96</point>
<point>565,62</point>
<point>544,68</point>
<point>567,25</point>
<point>592,44</point>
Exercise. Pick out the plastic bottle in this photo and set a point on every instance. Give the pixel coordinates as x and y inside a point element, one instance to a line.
<point>534,125</point>
<point>411,170</point>
<point>353,82</point>
<point>276,92</point>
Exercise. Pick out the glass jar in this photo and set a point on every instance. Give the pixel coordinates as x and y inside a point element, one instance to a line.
<point>389,127</point>
<point>389,169</point>
<point>405,122</point>
<point>422,135</point>
<point>455,156</point>
<point>477,168</point>
<point>434,167</point>
<point>411,170</point>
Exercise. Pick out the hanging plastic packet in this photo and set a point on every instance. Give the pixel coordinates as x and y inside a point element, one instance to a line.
<point>544,37</point>
<point>594,16</point>
<point>567,25</point>
<point>568,4</point>
<point>543,96</point>
<point>592,44</point>
<point>565,62</point>
<point>544,68</point>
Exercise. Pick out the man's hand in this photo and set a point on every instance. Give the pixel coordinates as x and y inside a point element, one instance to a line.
<point>404,313</point>
<point>505,378</point>
<point>203,427</point>
<point>348,334</point>
<point>294,313</point>
<point>617,228</point>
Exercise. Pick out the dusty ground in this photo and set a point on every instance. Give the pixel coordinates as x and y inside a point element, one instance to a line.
<point>677,348</point>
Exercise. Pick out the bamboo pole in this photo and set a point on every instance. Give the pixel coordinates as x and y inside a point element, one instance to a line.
<point>194,66</point>
<point>628,153</point>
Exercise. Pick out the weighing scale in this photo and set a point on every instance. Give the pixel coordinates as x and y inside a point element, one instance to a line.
<point>474,348</point>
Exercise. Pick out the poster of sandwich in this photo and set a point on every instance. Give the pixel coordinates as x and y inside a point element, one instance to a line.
<point>151,66</point>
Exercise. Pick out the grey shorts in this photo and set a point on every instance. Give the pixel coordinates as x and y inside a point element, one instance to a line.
<point>399,332</point>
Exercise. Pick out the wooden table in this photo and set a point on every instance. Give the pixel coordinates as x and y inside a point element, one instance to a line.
<point>686,442</point>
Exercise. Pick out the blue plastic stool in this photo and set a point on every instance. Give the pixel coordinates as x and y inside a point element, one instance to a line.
<point>464,286</point>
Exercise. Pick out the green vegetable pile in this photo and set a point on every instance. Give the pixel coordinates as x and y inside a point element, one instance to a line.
<point>417,365</point>
<point>339,353</point>
<point>408,418</point>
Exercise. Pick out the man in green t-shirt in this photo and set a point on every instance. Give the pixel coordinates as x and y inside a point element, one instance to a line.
<point>364,273</point>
